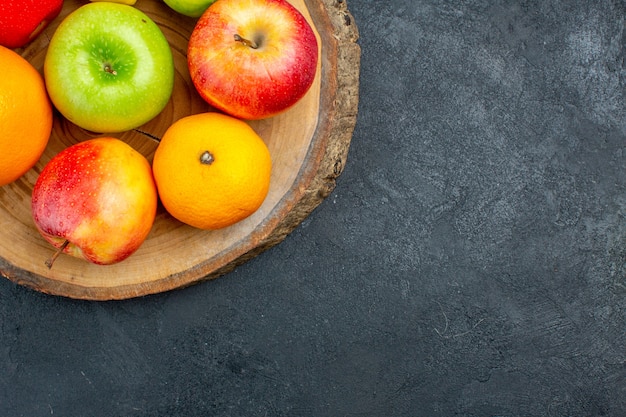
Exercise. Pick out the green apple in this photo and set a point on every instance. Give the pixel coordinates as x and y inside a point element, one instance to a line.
<point>130,2</point>
<point>109,68</point>
<point>191,8</point>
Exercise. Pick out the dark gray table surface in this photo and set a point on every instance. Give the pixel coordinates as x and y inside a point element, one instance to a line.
<point>470,262</point>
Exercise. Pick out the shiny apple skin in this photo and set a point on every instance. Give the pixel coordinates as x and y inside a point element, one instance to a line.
<point>21,21</point>
<point>100,196</point>
<point>191,8</point>
<point>109,68</point>
<point>252,83</point>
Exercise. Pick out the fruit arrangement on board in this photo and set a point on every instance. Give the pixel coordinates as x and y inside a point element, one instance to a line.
<point>108,69</point>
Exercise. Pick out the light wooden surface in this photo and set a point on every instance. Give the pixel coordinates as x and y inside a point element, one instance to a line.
<point>308,144</point>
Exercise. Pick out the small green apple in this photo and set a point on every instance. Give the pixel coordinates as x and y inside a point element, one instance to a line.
<point>109,68</point>
<point>129,2</point>
<point>191,8</point>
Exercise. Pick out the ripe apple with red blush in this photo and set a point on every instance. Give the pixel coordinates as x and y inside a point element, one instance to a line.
<point>95,200</point>
<point>252,59</point>
<point>21,21</point>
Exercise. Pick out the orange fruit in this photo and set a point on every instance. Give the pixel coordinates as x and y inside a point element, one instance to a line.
<point>25,116</point>
<point>211,170</point>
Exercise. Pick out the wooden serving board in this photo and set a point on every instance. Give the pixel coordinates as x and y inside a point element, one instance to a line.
<point>308,144</point>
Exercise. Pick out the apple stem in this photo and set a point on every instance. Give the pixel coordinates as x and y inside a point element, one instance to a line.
<point>150,135</point>
<point>206,158</point>
<point>246,42</point>
<point>60,250</point>
<point>108,68</point>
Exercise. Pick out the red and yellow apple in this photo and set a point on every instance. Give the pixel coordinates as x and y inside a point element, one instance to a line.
<point>22,20</point>
<point>252,59</point>
<point>95,200</point>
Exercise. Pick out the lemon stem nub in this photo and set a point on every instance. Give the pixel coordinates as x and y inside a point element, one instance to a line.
<point>247,42</point>
<point>206,158</point>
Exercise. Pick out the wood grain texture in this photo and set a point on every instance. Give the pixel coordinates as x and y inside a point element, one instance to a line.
<point>308,144</point>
